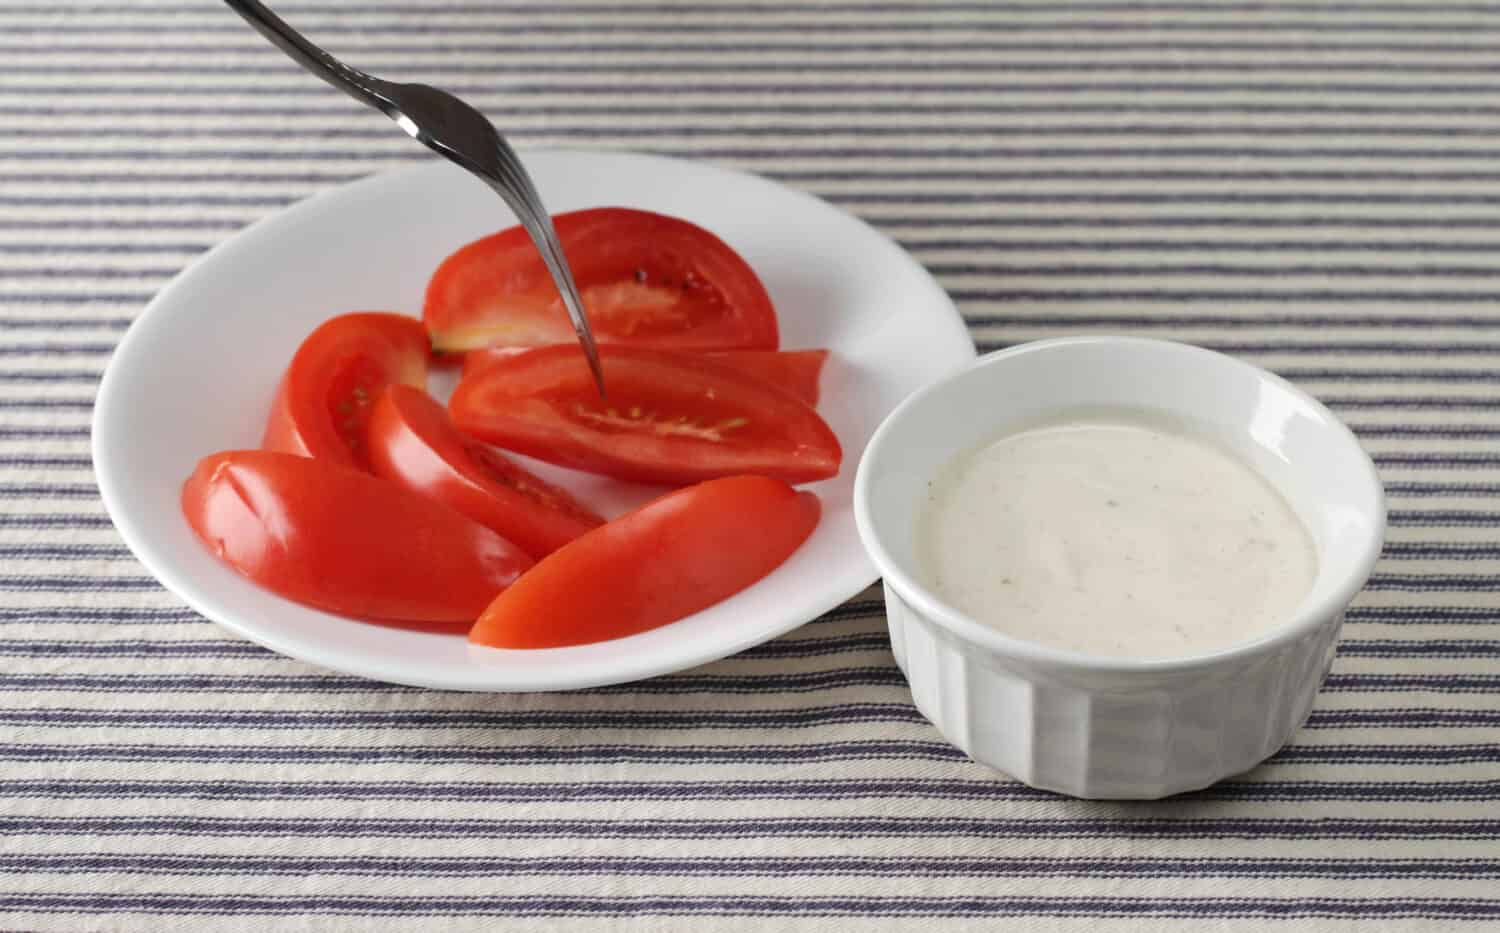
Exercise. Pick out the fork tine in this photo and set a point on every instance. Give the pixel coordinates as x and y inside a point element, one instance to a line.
<point>516,186</point>
<point>545,238</point>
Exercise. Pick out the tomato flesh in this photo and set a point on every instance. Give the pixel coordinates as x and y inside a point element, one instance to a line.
<point>414,444</point>
<point>668,559</point>
<point>646,280</point>
<point>346,542</point>
<point>796,371</point>
<point>322,406</point>
<point>669,417</point>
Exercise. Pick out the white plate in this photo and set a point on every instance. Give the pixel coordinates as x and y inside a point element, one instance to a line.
<point>196,371</point>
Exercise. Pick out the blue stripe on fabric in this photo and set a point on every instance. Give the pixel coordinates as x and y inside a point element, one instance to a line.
<point>625,906</point>
<point>1429,432</point>
<point>1089,270</point>
<point>1404,717</point>
<point>805,717</point>
<point>64,551</point>
<point>989,243</point>
<point>698,789</point>
<point>60,377</point>
<point>394,17</point>
<point>1413,402</point>
<point>1423,615</point>
<point>52,348</point>
<point>1445,550</point>
<point>1458,518</point>
<point>1412,683</point>
<point>1420,489</point>
<point>1233,321</point>
<point>1428,647</point>
<point>933,131</point>
<point>295,86</point>
<point>386,152</point>
<point>52,174</point>
<point>950,866</point>
<point>697,754</point>
<point>845,827</point>
<point>1229,295</point>
<point>117,615</point>
<point>47,404</point>
<point>264,64</point>
<point>913,42</point>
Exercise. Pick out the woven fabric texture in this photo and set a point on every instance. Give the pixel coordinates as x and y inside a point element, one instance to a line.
<point>1314,187</point>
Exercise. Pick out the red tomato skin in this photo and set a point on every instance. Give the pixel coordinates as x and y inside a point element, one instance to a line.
<point>497,291</point>
<point>366,350</point>
<point>796,371</point>
<point>542,403</point>
<point>414,444</point>
<point>670,558</point>
<point>340,540</point>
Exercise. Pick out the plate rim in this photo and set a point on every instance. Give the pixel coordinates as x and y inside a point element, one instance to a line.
<point>628,667</point>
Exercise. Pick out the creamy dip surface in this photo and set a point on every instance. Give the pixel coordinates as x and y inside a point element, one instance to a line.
<point>1114,535</point>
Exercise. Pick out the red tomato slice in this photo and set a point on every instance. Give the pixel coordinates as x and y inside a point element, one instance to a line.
<point>797,371</point>
<point>343,541</point>
<point>413,443</point>
<point>666,560</point>
<point>646,280</point>
<point>670,417</point>
<point>323,402</point>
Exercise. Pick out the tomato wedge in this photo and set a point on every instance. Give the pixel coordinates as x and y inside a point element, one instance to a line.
<point>343,541</point>
<point>796,371</point>
<point>323,403</point>
<point>646,279</point>
<point>669,418</point>
<point>414,444</point>
<point>666,560</point>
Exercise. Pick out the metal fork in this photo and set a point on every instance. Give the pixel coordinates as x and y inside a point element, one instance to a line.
<point>452,129</point>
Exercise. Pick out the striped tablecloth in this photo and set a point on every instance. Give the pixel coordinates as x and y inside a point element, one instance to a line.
<point>1312,186</point>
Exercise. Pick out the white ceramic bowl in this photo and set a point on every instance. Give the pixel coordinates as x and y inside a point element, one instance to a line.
<point>1103,727</point>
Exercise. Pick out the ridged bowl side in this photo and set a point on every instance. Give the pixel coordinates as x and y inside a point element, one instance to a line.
<point>1163,734</point>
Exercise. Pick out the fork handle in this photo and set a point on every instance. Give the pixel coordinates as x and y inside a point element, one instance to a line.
<point>362,87</point>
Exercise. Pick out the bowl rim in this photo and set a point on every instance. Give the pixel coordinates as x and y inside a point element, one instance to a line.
<point>1307,619</point>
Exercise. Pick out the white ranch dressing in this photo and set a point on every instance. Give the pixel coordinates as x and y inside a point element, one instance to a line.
<point>1114,535</point>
